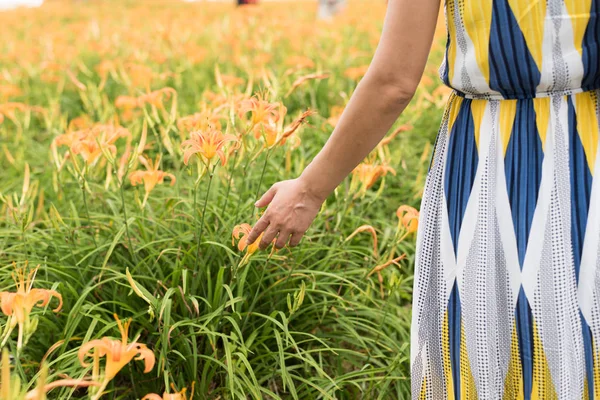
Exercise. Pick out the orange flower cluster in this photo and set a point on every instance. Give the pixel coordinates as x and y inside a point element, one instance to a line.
<point>157,98</point>
<point>150,177</point>
<point>264,117</point>
<point>90,143</point>
<point>366,175</point>
<point>408,217</point>
<point>9,110</point>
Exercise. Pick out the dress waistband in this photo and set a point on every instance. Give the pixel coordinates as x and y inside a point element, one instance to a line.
<point>497,96</point>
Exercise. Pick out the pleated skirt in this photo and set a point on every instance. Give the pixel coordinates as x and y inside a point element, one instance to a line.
<point>506,301</point>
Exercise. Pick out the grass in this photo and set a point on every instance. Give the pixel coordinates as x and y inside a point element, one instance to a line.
<point>303,323</point>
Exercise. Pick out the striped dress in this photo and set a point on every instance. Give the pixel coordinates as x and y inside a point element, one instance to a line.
<point>507,277</point>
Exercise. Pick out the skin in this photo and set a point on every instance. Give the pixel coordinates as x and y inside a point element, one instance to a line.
<point>379,99</point>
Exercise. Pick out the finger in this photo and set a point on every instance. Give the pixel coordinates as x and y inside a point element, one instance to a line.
<point>296,238</point>
<point>266,198</point>
<point>259,228</point>
<point>268,237</point>
<point>282,239</point>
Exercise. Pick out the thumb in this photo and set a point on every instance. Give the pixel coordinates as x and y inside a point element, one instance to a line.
<point>266,198</point>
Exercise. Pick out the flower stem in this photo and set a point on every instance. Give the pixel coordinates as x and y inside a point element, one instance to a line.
<point>100,389</point>
<point>201,229</point>
<point>229,183</point>
<point>254,300</point>
<point>127,223</point>
<point>87,212</point>
<point>262,175</point>
<point>242,193</point>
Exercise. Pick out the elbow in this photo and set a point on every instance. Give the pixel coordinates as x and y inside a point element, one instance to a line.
<point>394,89</point>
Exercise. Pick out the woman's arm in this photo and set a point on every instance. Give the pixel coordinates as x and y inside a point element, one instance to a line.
<point>380,97</point>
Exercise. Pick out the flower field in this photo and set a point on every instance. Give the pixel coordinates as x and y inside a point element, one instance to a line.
<point>135,137</point>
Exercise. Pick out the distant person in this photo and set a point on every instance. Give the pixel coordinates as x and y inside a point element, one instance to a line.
<point>329,8</point>
<point>506,293</point>
<point>245,2</point>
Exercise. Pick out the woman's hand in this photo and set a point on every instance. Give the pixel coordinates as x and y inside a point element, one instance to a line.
<point>293,206</point>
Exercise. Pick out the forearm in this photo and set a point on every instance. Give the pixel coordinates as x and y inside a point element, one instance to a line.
<point>373,109</point>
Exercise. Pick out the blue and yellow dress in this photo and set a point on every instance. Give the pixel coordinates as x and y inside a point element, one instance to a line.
<point>507,280</point>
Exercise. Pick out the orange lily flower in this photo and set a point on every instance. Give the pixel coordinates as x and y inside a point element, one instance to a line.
<point>203,120</point>
<point>356,73</point>
<point>126,103</point>
<point>7,91</point>
<point>243,230</point>
<point>231,80</point>
<point>90,150</point>
<point>166,396</point>
<point>263,112</point>
<point>299,62</point>
<point>9,110</point>
<point>372,231</point>
<point>151,177</point>
<point>17,305</point>
<point>81,122</point>
<point>368,174</point>
<point>377,270</point>
<point>408,217</point>
<point>295,125</point>
<point>388,139</point>
<point>335,115</point>
<point>240,233</point>
<point>157,97</point>
<point>298,82</point>
<point>117,353</point>
<point>140,75</point>
<point>206,145</point>
<point>89,143</point>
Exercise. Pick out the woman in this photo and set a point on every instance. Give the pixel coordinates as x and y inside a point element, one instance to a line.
<point>507,281</point>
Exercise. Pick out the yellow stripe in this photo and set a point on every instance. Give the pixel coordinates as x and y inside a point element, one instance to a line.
<point>543,389</point>
<point>446,359</point>
<point>513,384</point>
<point>467,382</point>
<point>587,125</point>
<point>452,32</point>
<point>542,117</point>
<point>531,16</point>
<point>586,392</point>
<point>596,370</point>
<point>478,23</point>
<point>453,112</point>
<point>579,11</point>
<point>423,395</point>
<point>508,110</point>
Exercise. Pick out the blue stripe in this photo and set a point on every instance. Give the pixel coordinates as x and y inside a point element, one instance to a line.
<point>461,166</point>
<point>523,168</point>
<point>591,49</point>
<point>454,335</point>
<point>523,317</point>
<point>581,188</point>
<point>513,71</point>
<point>445,72</point>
